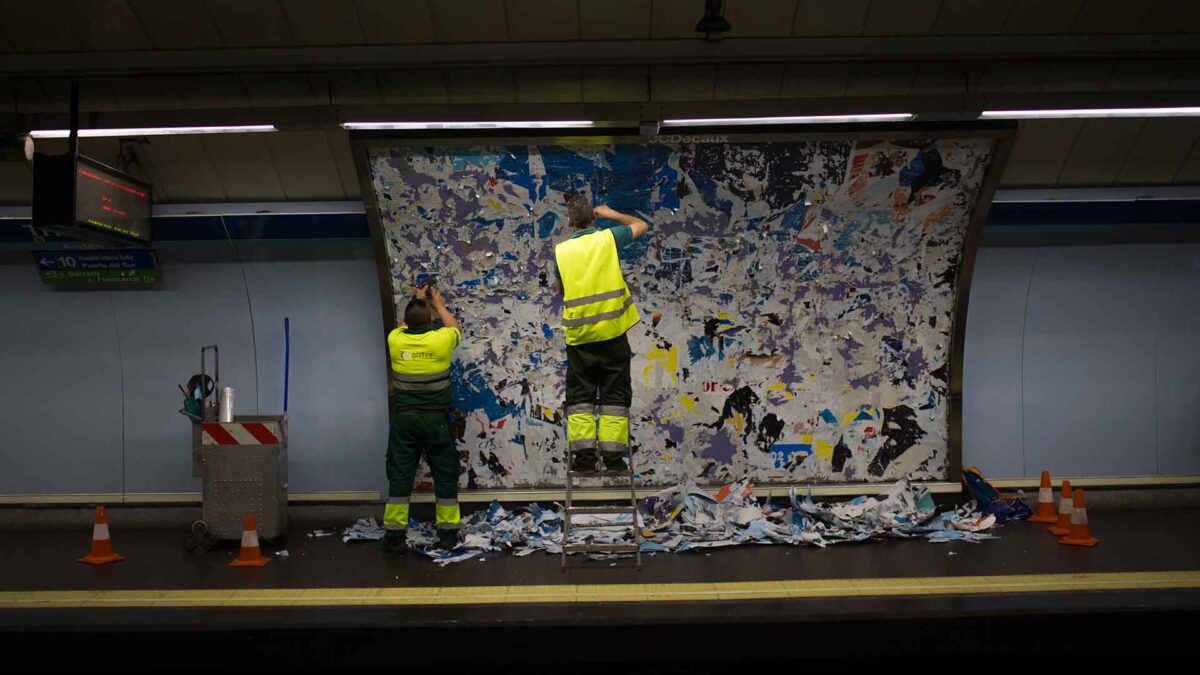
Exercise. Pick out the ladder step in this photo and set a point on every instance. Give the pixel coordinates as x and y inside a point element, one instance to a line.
<point>600,509</point>
<point>601,547</point>
<point>620,473</point>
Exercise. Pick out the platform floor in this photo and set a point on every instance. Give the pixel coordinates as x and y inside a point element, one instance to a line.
<point>1144,576</point>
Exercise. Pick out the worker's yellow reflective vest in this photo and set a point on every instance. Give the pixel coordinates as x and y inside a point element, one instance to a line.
<point>596,302</point>
<point>421,365</point>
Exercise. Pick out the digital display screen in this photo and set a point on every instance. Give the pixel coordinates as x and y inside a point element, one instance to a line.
<point>111,201</point>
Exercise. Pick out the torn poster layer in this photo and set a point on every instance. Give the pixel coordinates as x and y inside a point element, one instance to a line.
<point>796,299</point>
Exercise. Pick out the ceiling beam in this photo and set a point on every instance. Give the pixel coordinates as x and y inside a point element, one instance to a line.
<point>599,52</point>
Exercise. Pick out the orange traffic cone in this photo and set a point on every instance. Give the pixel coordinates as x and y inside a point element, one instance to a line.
<point>250,555</point>
<point>1045,506</point>
<point>102,550</point>
<point>1081,534</point>
<point>1065,506</point>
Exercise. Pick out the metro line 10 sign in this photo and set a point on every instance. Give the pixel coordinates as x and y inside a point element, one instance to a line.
<point>97,268</point>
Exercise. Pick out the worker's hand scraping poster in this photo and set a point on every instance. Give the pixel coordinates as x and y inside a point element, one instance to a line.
<point>797,299</point>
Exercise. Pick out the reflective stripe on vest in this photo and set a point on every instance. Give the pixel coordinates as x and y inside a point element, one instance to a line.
<point>430,382</point>
<point>597,318</point>
<point>599,297</point>
<point>596,302</point>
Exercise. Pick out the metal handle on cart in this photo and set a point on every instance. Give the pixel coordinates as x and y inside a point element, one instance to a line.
<point>216,363</point>
<point>216,392</point>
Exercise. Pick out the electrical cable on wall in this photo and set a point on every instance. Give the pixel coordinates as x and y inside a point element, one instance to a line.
<point>249,305</point>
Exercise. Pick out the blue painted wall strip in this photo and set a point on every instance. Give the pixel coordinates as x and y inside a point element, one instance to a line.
<point>1053,216</point>
<point>241,228</point>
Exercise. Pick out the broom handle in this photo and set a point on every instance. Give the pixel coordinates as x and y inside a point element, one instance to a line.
<point>287,349</point>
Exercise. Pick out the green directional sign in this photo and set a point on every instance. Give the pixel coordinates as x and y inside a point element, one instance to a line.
<point>97,268</point>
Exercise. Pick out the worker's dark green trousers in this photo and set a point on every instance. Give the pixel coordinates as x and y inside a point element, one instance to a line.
<point>598,385</point>
<point>412,433</point>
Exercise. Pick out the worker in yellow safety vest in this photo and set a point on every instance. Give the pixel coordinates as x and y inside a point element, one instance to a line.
<point>597,311</point>
<point>420,399</point>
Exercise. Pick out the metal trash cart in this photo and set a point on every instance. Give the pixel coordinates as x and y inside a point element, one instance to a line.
<point>243,467</point>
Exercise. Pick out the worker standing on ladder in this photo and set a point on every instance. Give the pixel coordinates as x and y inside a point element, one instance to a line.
<point>597,312</point>
<point>420,399</point>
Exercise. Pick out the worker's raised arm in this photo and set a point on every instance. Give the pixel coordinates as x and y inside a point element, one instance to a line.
<point>636,225</point>
<point>444,314</point>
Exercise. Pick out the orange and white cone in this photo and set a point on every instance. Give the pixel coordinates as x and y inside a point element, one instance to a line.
<point>250,555</point>
<point>1045,507</point>
<point>1065,506</point>
<point>1081,534</point>
<point>102,550</point>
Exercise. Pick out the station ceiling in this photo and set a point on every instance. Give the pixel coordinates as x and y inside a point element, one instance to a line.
<point>306,65</point>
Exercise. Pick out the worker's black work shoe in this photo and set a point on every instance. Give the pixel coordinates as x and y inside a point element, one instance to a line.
<point>447,539</point>
<point>395,541</point>
<point>584,461</point>
<point>614,461</point>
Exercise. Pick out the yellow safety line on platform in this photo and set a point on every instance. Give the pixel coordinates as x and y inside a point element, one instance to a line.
<point>569,593</point>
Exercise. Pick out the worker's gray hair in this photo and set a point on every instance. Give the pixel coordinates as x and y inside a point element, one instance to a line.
<point>579,211</point>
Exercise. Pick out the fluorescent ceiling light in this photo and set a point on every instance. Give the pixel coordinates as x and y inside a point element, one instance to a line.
<point>1184,111</point>
<point>399,126</point>
<point>798,119</point>
<point>154,131</point>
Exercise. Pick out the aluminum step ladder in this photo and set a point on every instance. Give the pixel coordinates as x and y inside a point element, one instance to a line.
<point>572,510</point>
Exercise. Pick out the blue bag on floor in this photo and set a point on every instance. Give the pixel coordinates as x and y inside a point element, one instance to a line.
<point>990,501</point>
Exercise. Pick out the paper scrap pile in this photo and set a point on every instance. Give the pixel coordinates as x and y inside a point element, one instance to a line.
<point>686,517</point>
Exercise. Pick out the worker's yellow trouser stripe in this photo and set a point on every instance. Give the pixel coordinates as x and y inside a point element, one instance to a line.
<point>395,514</point>
<point>447,514</point>
<point>614,430</point>
<point>581,427</point>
